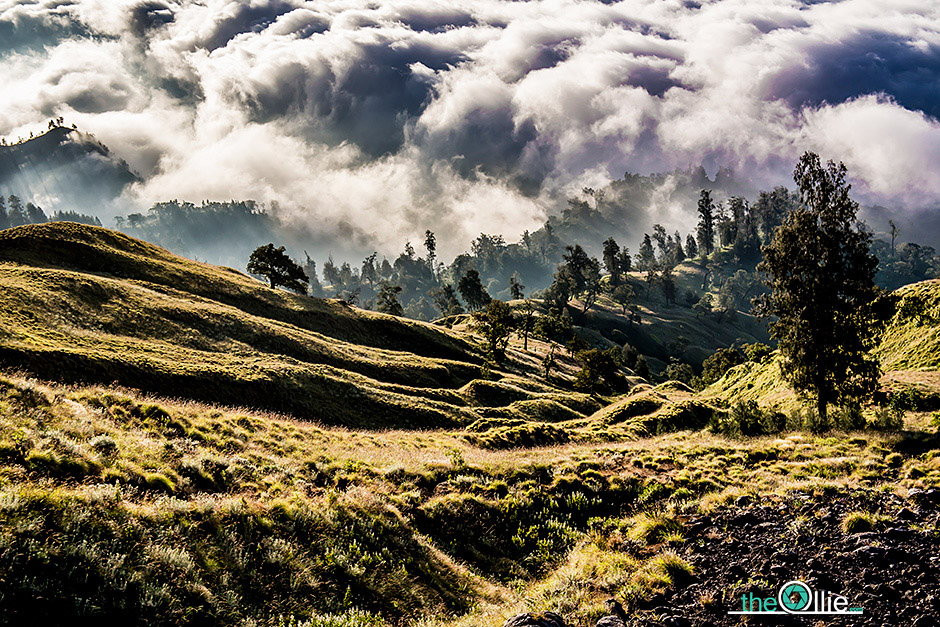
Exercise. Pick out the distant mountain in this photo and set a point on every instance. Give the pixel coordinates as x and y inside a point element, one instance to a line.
<point>66,167</point>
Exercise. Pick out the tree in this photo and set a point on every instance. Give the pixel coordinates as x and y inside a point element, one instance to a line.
<point>704,305</point>
<point>718,363</point>
<point>331,274</point>
<point>678,252</point>
<point>278,268</point>
<point>612,259</point>
<point>592,284</point>
<point>495,322</point>
<point>310,269</point>
<point>821,278</point>
<point>471,288</point>
<point>583,274</point>
<point>387,300</point>
<point>516,287</point>
<point>645,257</point>
<point>445,299</point>
<point>368,273</point>
<point>770,210</point>
<point>659,235</point>
<point>623,296</point>
<point>691,248</point>
<point>706,223</point>
<point>668,284</point>
<point>598,367</point>
<point>430,244</point>
<point>527,322</point>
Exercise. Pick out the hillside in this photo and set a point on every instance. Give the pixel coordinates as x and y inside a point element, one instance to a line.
<point>82,303</point>
<point>909,353</point>
<point>64,163</point>
<point>144,482</point>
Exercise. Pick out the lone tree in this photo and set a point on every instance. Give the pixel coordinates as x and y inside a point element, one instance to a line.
<point>278,268</point>
<point>821,275</point>
<point>516,287</point>
<point>495,322</point>
<point>387,300</point>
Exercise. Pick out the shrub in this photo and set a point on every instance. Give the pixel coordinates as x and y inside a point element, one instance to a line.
<point>654,528</point>
<point>104,446</point>
<point>887,419</point>
<point>848,417</point>
<point>160,482</point>
<point>524,435</point>
<point>858,522</point>
<point>747,418</point>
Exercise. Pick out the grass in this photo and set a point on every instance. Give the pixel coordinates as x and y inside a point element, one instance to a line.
<point>164,499</point>
<point>194,512</point>
<point>859,522</point>
<point>84,304</point>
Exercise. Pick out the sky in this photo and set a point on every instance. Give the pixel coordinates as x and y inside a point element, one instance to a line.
<point>368,122</point>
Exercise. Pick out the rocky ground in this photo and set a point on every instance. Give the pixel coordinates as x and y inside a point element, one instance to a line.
<point>890,571</point>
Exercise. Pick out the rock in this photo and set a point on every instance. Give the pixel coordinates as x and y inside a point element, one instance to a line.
<point>905,514</point>
<point>540,619</point>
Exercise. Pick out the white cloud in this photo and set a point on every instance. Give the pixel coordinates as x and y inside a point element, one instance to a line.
<point>476,115</point>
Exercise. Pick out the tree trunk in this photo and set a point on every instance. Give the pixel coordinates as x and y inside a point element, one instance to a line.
<point>273,284</point>
<point>822,406</point>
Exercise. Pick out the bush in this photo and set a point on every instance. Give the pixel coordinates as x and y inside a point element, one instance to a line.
<point>746,419</point>
<point>887,419</point>
<point>104,446</point>
<point>654,528</point>
<point>160,482</point>
<point>858,522</point>
<point>525,435</point>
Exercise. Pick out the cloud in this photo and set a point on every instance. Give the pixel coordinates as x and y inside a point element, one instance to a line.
<point>373,121</point>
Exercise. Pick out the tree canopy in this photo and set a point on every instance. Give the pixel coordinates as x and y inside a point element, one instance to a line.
<point>278,268</point>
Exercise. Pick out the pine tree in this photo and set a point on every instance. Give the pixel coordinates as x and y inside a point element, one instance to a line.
<point>821,276</point>
<point>612,260</point>
<point>706,223</point>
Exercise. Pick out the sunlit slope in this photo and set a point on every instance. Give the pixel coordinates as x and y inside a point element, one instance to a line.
<point>909,353</point>
<point>912,339</point>
<point>80,303</point>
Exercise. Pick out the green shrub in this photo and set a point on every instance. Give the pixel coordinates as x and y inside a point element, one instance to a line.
<point>858,522</point>
<point>654,528</point>
<point>747,418</point>
<point>887,419</point>
<point>160,482</point>
<point>525,435</point>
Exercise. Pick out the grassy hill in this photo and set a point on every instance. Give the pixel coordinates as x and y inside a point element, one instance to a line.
<point>909,353</point>
<point>85,304</point>
<point>136,487</point>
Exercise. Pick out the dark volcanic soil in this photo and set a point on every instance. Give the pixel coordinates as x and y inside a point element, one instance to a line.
<point>891,572</point>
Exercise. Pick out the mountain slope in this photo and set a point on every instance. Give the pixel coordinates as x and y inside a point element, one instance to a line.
<point>909,352</point>
<point>64,163</point>
<point>81,303</point>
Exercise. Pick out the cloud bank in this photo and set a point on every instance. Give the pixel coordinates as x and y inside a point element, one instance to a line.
<point>371,121</point>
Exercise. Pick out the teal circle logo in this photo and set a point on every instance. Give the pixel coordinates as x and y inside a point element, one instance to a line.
<point>794,596</point>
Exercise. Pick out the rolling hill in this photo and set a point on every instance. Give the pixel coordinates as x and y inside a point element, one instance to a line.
<point>204,450</point>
